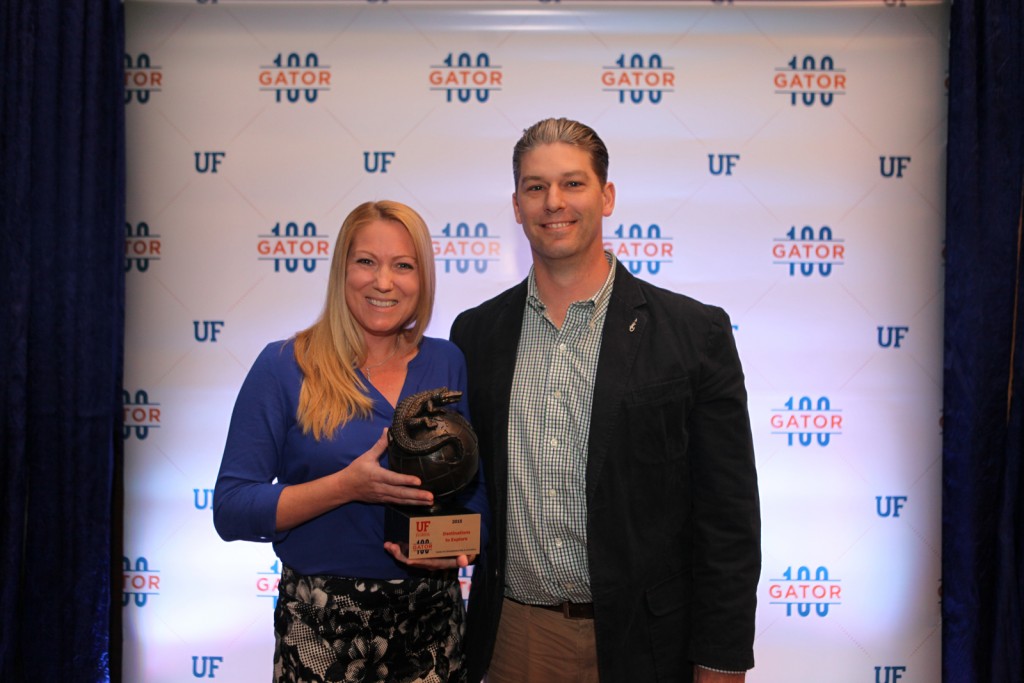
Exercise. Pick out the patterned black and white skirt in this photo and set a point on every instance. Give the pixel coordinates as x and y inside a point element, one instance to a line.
<point>328,628</point>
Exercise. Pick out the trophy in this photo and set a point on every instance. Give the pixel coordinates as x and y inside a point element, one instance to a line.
<point>439,446</point>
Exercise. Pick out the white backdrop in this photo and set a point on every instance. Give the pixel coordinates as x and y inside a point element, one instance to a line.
<point>783,160</point>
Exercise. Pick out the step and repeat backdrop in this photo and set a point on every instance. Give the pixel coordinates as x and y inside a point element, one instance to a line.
<point>784,160</point>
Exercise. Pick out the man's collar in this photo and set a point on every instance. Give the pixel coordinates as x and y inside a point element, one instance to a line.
<point>599,297</point>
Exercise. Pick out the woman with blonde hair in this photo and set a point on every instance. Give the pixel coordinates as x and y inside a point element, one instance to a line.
<point>304,467</point>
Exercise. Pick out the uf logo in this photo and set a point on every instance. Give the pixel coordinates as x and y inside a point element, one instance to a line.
<point>380,161</point>
<point>726,162</point>
<point>892,336</point>
<point>892,674</point>
<point>207,503</point>
<point>207,162</point>
<point>208,667</point>
<point>210,330</point>
<point>893,504</point>
<point>896,166</point>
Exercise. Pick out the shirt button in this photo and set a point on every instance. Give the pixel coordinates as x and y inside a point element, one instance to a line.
<point>554,443</point>
<point>561,347</point>
<point>558,543</point>
<point>557,394</point>
<point>552,493</point>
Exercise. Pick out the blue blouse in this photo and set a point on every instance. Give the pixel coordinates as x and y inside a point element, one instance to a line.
<point>266,451</point>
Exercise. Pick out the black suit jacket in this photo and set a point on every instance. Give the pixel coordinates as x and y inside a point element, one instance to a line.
<point>673,518</point>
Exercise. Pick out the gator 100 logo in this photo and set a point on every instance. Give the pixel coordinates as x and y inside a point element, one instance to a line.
<point>805,421</point>
<point>142,78</point>
<point>465,77</point>
<point>140,415</point>
<point>461,248</point>
<point>295,78</point>
<point>808,251</point>
<point>268,582</point>
<point>290,247</point>
<point>141,246</point>
<point>636,79</point>
<point>810,81</point>
<point>641,248</point>
<point>140,582</point>
<point>804,593</point>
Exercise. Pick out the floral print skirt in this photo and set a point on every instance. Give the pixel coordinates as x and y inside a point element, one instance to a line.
<point>329,628</point>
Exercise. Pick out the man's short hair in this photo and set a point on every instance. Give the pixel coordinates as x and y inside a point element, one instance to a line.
<point>565,131</point>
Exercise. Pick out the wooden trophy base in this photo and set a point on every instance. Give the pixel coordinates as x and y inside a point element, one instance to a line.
<point>423,534</point>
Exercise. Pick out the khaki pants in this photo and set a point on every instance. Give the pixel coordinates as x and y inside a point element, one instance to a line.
<point>536,645</point>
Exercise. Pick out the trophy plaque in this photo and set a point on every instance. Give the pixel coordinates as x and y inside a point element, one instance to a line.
<point>440,447</point>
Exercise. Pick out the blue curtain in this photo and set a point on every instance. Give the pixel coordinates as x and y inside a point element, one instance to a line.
<point>983,481</point>
<point>62,321</point>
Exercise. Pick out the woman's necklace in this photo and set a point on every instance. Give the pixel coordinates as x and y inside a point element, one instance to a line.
<point>367,368</point>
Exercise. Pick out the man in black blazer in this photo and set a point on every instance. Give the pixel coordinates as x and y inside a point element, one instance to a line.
<point>616,443</point>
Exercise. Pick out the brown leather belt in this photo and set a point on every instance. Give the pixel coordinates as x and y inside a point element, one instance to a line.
<point>572,610</point>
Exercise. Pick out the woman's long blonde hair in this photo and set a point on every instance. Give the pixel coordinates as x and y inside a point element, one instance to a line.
<point>329,351</point>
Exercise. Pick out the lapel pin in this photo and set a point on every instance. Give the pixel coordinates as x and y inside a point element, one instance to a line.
<point>632,326</point>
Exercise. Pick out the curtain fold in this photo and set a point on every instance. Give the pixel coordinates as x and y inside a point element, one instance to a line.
<point>62,179</point>
<point>983,536</point>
